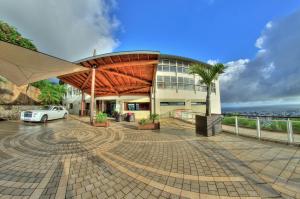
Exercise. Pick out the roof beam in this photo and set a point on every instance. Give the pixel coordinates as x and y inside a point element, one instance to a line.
<point>109,83</point>
<point>72,74</point>
<point>134,89</point>
<point>128,63</point>
<point>128,76</point>
<point>86,81</point>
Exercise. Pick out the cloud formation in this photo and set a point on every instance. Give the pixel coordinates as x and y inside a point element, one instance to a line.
<point>274,74</point>
<point>68,29</point>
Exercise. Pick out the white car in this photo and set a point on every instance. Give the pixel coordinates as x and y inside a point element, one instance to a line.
<point>44,114</point>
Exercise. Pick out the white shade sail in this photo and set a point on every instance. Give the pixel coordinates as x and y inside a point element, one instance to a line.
<point>22,66</point>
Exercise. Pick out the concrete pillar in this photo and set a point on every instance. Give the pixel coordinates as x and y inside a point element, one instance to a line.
<point>92,95</point>
<point>82,104</point>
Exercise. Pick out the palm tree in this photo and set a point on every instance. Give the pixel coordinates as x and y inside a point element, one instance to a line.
<point>208,75</point>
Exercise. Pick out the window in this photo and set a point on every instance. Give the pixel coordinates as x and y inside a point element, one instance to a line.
<point>180,83</point>
<point>172,103</point>
<point>166,61</point>
<point>188,83</point>
<point>166,68</point>
<point>172,68</point>
<point>134,106</point>
<point>198,103</point>
<point>180,69</point>
<point>160,82</point>
<point>200,87</point>
<point>166,82</point>
<point>70,106</point>
<point>213,88</point>
<point>160,68</point>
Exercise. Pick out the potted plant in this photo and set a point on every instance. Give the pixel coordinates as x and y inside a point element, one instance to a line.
<point>210,124</point>
<point>150,124</point>
<point>101,120</point>
<point>118,117</point>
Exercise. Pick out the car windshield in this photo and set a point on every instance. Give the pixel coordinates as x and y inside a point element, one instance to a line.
<point>46,108</point>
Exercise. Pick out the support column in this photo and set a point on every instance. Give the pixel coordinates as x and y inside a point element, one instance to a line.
<point>93,95</point>
<point>82,104</point>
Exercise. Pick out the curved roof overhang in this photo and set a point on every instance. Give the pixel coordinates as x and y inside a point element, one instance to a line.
<point>123,73</point>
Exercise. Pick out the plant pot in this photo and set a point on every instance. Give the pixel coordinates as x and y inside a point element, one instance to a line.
<point>101,124</point>
<point>118,118</point>
<point>208,125</point>
<point>150,126</point>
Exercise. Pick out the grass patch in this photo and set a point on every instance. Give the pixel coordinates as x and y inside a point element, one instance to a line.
<point>269,125</point>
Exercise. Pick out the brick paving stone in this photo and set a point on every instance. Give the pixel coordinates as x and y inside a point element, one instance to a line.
<point>118,162</point>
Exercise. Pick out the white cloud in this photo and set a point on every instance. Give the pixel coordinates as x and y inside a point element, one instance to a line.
<point>69,29</point>
<point>235,68</point>
<point>212,62</point>
<point>274,73</point>
<point>269,25</point>
<point>267,71</point>
<point>260,42</point>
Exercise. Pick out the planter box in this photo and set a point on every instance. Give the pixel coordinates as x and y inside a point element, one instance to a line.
<point>150,126</point>
<point>103,124</point>
<point>208,125</point>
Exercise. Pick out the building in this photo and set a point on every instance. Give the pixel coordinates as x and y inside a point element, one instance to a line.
<point>141,82</point>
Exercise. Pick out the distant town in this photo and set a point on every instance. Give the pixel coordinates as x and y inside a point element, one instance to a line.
<point>264,111</point>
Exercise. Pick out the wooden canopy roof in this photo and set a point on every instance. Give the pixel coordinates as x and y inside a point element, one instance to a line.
<point>125,73</point>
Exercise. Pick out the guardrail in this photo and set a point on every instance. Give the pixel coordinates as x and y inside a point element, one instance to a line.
<point>275,128</point>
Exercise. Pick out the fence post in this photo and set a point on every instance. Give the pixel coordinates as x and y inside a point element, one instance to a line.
<point>290,131</point>
<point>236,125</point>
<point>258,128</point>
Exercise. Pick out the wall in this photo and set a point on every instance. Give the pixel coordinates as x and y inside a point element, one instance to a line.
<point>12,94</point>
<point>12,112</point>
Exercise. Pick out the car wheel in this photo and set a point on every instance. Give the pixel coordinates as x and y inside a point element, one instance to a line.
<point>44,118</point>
<point>65,116</point>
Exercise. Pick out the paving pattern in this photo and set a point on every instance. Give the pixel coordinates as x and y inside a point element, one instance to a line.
<point>70,159</point>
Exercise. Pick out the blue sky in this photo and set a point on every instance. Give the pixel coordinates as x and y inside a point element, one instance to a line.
<point>258,39</point>
<point>224,30</point>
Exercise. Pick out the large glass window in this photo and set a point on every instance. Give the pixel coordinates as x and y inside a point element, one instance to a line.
<point>180,83</point>
<point>160,68</point>
<point>200,87</point>
<point>198,103</point>
<point>188,83</point>
<point>135,106</point>
<point>172,103</point>
<point>173,68</point>
<point>166,82</point>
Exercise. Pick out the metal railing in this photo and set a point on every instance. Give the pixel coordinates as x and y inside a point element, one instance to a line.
<point>275,128</point>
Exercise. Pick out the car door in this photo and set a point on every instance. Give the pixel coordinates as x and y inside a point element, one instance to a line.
<point>54,113</point>
<point>61,112</point>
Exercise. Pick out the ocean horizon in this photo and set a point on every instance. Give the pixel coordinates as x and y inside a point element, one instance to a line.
<point>266,108</point>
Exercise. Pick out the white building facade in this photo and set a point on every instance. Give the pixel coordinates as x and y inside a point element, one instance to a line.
<point>173,88</point>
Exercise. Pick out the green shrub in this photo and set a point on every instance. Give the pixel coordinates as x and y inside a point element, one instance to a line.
<point>101,117</point>
<point>154,117</point>
<point>143,121</point>
<point>228,121</point>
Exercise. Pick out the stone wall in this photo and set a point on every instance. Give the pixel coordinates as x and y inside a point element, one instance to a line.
<point>12,112</point>
<point>18,95</point>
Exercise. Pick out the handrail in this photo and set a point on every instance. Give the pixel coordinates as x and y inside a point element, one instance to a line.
<point>258,115</point>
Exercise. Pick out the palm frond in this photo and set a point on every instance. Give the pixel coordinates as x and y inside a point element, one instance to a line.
<point>207,74</point>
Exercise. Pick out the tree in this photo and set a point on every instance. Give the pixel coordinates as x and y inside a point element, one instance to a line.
<point>11,35</point>
<point>208,74</point>
<point>50,93</point>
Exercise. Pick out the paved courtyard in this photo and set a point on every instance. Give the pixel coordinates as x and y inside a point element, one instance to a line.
<point>68,158</point>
